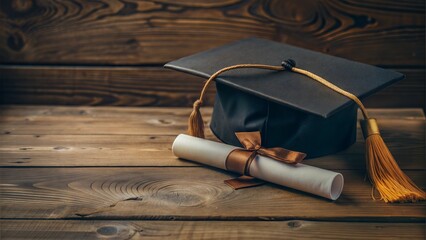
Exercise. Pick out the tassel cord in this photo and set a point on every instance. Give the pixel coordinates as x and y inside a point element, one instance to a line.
<point>334,88</point>
<point>280,68</point>
<point>213,77</point>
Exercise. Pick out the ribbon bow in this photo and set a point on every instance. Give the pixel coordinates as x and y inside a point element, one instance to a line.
<point>239,160</point>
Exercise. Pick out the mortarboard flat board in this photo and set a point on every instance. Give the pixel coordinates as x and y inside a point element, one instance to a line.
<point>291,110</point>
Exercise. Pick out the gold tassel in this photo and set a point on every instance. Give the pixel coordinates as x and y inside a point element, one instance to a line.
<point>195,121</point>
<point>384,173</point>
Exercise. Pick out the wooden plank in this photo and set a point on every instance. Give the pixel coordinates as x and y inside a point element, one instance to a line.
<point>86,120</point>
<point>86,150</point>
<point>43,120</point>
<point>149,86</point>
<point>87,136</point>
<point>295,229</point>
<point>407,145</point>
<point>118,86</point>
<point>183,194</point>
<point>146,32</point>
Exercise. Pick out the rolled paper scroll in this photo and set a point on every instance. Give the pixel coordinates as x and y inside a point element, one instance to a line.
<point>299,176</point>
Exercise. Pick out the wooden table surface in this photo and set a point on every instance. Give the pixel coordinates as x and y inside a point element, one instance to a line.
<point>108,172</point>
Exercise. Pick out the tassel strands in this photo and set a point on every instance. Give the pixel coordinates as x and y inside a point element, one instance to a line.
<point>384,173</point>
<point>195,121</point>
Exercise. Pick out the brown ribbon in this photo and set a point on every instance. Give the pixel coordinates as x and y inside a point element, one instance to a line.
<point>239,160</point>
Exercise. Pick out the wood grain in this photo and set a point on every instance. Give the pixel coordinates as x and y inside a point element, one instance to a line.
<point>295,229</point>
<point>407,145</point>
<point>149,86</point>
<point>154,32</point>
<point>33,120</point>
<point>183,194</point>
<point>95,121</point>
<point>59,180</point>
<point>88,136</point>
<point>117,86</point>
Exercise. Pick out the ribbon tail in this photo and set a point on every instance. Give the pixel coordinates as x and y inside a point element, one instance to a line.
<point>283,155</point>
<point>243,182</point>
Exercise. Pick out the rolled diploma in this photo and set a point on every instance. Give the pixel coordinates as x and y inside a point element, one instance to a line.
<point>302,177</point>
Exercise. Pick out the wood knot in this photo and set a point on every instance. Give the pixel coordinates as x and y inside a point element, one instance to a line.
<point>180,193</point>
<point>83,112</point>
<point>60,148</point>
<point>18,8</point>
<point>362,21</point>
<point>21,5</point>
<point>15,41</point>
<point>115,232</point>
<point>161,122</point>
<point>107,230</point>
<point>294,224</point>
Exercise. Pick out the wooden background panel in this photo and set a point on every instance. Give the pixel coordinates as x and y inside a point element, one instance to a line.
<point>153,32</point>
<point>150,86</point>
<point>110,52</point>
<point>117,86</point>
<point>409,92</point>
<point>294,229</point>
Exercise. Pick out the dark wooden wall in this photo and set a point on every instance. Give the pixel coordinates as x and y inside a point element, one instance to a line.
<point>111,52</point>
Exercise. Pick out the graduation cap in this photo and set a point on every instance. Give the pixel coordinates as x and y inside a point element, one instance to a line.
<point>310,107</point>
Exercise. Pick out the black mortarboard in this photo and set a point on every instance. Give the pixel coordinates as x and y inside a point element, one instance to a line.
<point>294,107</point>
<point>291,110</point>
